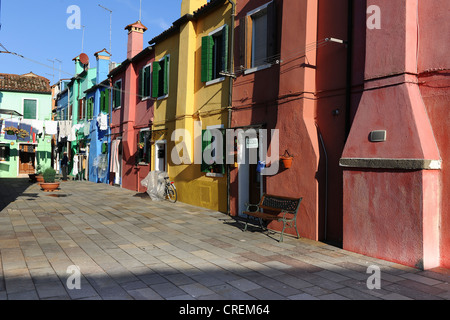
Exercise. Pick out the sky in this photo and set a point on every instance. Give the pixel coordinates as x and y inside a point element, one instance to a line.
<point>38,30</point>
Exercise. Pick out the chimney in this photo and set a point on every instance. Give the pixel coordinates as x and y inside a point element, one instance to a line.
<point>189,6</point>
<point>103,61</point>
<point>135,38</point>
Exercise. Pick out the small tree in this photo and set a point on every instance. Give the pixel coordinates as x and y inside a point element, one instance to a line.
<point>49,175</point>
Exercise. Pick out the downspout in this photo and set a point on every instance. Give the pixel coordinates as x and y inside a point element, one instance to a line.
<point>349,68</point>
<point>326,181</point>
<point>230,97</point>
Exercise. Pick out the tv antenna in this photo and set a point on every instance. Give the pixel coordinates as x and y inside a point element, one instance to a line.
<point>110,26</point>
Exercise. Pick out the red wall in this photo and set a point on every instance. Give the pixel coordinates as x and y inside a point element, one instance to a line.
<point>293,97</point>
<point>389,212</point>
<point>434,83</point>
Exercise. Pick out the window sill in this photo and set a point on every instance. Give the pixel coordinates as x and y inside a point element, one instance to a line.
<point>211,82</point>
<point>259,68</point>
<point>162,97</point>
<point>143,164</point>
<point>146,98</point>
<point>214,175</point>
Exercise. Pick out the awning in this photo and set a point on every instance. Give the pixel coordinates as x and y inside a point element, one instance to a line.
<point>10,112</point>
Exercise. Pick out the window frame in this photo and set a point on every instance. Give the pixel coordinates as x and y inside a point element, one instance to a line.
<point>114,94</point>
<point>142,161</point>
<point>6,153</point>
<point>216,58</point>
<point>142,82</point>
<point>253,68</point>
<point>166,95</point>
<point>37,108</point>
<point>221,167</point>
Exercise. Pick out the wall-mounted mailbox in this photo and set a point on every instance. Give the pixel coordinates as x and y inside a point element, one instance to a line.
<point>377,136</point>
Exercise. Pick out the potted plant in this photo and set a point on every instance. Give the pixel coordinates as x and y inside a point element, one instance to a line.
<point>141,145</point>
<point>22,134</point>
<point>11,131</point>
<point>38,176</point>
<point>49,183</point>
<point>286,159</point>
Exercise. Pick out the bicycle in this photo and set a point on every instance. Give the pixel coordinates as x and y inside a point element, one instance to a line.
<point>170,191</point>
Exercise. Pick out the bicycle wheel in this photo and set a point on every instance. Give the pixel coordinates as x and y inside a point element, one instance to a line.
<point>171,193</point>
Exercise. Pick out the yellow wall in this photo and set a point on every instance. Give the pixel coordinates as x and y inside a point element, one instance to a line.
<point>193,101</point>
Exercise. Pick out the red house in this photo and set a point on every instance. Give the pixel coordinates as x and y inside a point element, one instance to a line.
<point>291,75</point>
<point>359,91</point>
<point>132,112</point>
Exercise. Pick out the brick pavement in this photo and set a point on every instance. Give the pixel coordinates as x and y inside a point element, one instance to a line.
<point>129,247</point>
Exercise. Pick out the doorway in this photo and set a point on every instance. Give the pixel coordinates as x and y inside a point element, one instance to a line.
<point>250,181</point>
<point>27,159</point>
<point>160,155</point>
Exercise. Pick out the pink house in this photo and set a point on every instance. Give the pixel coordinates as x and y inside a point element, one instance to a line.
<point>396,158</point>
<point>132,112</point>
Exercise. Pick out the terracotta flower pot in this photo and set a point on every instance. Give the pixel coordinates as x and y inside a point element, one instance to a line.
<point>287,161</point>
<point>49,187</point>
<point>39,178</point>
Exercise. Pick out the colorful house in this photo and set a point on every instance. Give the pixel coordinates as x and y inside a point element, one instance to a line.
<point>132,113</point>
<point>83,80</point>
<point>97,122</point>
<point>192,95</point>
<point>396,158</point>
<point>291,83</point>
<point>25,104</point>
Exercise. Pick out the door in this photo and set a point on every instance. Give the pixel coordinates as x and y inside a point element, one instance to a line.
<point>160,156</point>
<point>249,180</point>
<point>27,158</point>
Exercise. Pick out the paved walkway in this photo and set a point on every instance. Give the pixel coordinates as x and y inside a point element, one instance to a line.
<point>129,247</point>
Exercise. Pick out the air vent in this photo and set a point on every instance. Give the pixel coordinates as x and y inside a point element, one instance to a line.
<point>377,136</point>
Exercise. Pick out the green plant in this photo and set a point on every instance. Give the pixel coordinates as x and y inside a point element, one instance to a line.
<point>49,175</point>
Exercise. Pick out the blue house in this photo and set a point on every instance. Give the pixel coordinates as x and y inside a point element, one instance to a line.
<point>97,108</point>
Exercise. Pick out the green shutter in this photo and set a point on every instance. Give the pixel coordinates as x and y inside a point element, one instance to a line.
<point>166,75</point>
<point>207,58</point>
<point>155,79</point>
<point>102,100</point>
<point>206,141</point>
<point>141,83</point>
<point>225,48</point>
<point>29,109</point>
<point>146,82</point>
<point>106,106</point>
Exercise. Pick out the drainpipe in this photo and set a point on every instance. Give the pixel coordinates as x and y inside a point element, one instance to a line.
<point>230,97</point>
<point>349,68</point>
<point>326,181</point>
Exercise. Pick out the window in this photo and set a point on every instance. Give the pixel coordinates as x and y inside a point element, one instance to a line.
<point>145,82</point>
<point>104,101</point>
<point>258,37</point>
<point>160,78</point>
<point>30,109</point>
<point>209,142</point>
<point>4,153</point>
<point>117,94</point>
<point>214,54</point>
<point>144,147</point>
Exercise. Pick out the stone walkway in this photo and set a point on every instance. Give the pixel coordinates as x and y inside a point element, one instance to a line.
<point>129,247</point>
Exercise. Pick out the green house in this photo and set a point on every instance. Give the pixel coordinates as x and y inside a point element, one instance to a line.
<point>25,104</point>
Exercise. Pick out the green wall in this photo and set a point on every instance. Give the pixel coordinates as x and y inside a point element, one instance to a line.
<point>14,101</point>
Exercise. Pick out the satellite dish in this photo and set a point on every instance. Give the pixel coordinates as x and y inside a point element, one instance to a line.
<point>84,59</point>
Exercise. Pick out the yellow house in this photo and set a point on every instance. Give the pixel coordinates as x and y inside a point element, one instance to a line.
<point>192,90</point>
